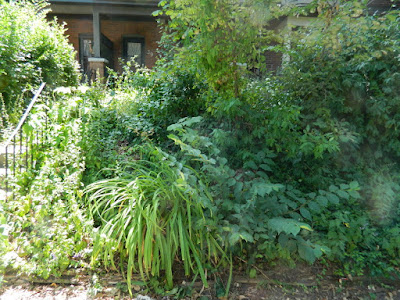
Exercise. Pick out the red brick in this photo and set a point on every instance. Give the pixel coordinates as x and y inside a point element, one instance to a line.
<point>115,31</point>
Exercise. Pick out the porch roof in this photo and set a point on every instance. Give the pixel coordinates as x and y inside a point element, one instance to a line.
<point>107,7</point>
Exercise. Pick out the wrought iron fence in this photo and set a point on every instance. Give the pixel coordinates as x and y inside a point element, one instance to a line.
<point>18,148</point>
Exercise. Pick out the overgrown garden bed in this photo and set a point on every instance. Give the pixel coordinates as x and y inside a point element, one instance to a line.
<point>198,164</point>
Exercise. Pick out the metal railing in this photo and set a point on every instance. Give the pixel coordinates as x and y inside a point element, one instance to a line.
<point>296,2</point>
<point>19,146</point>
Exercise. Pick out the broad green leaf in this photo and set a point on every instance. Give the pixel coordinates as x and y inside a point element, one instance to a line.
<point>314,206</point>
<point>354,185</point>
<point>305,213</point>
<point>250,164</point>
<point>265,167</point>
<point>312,195</point>
<point>354,194</point>
<point>322,200</point>
<point>332,198</point>
<point>238,187</point>
<point>262,189</point>
<point>246,236</point>
<point>174,127</point>
<point>231,181</point>
<point>333,188</point>
<point>234,238</point>
<point>288,226</point>
<point>306,252</point>
<point>342,194</point>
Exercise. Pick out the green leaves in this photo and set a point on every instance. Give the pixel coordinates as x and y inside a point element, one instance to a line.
<point>305,213</point>
<point>288,226</point>
<point>32,50</point>
<point>221,37</point>
<point>154,214</point>
<point>237,236</point>
<point>310,252</point>
<point>49,227</point>
<point>265,188</point>
<point>185,122</point>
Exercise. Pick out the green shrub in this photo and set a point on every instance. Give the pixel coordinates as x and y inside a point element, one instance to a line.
<point>139,107</point>
<point>342,77</point>
<point>350,81</point>
<point>258,215</point>
<point>32,50</point>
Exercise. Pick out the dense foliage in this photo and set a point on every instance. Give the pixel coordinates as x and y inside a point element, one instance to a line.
<point>298,165</point>
<point>32,50</point>
<point>223,39</point>
<point>199,163</point>
<point>343,76</point>
<point>48,229</point>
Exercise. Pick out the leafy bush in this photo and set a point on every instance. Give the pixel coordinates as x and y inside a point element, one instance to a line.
<point>254,211</point>
<point>345,75</point>
<point>32,50</point>
<point>139,107</point>
<point>223,39</point>
<point>341,75</point>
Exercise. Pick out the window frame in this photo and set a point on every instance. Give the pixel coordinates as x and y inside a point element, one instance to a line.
<point>133,39</point>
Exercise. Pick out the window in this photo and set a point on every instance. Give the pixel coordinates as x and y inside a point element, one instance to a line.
<point>133,47</point>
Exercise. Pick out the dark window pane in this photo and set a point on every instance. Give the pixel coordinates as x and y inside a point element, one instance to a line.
<point>134,50</point>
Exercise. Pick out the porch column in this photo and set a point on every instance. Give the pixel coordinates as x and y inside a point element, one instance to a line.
<point>97,64</point>
<point>96,33</point>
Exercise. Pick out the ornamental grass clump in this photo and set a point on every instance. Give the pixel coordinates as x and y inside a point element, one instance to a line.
<point>153,214</point>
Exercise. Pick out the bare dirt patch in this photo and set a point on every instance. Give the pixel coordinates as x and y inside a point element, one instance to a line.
<point>303,282</point>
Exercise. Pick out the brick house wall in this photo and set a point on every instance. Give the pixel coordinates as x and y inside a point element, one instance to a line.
<point>273,61</point>
<point>115,30</point>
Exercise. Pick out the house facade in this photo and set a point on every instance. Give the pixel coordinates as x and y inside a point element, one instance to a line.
<point>105,31</point>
